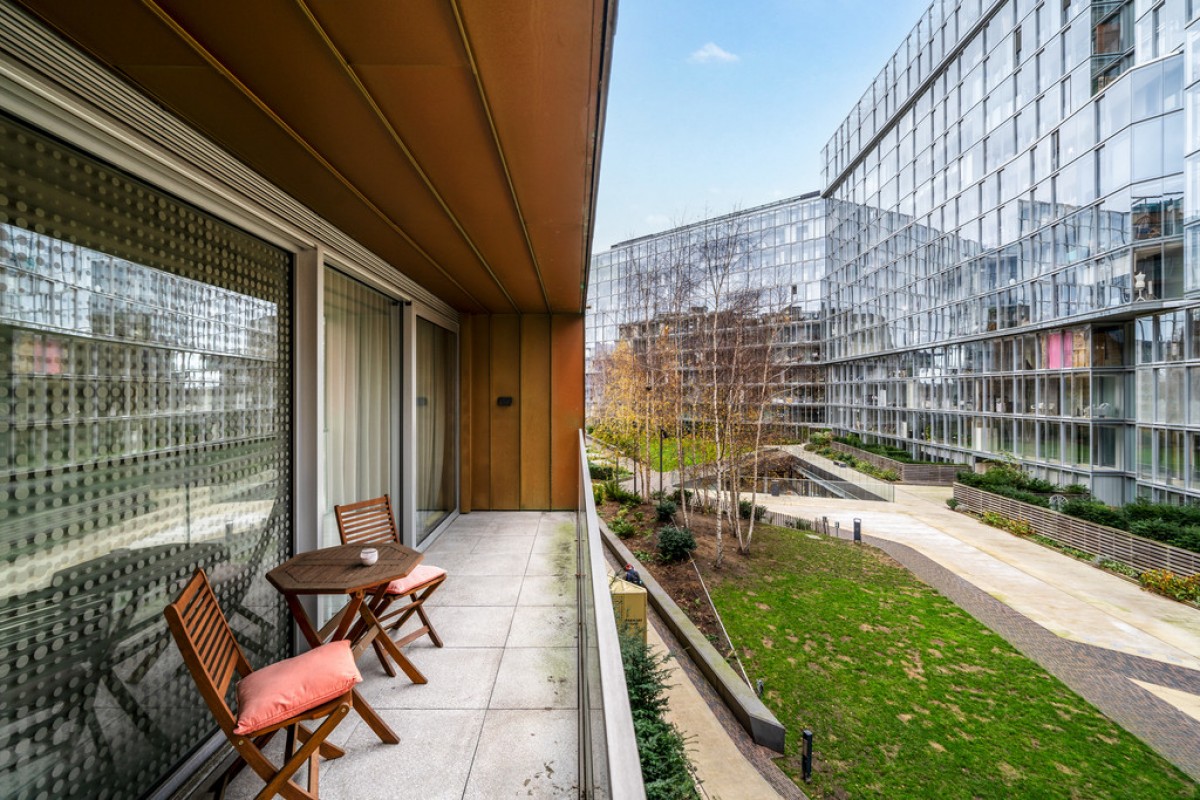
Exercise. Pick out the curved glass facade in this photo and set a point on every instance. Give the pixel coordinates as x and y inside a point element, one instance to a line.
<point>1011,263</point>
<point>1007,227</point>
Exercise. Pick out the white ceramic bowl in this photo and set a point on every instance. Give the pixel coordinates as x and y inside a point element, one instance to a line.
<point>368,556</point>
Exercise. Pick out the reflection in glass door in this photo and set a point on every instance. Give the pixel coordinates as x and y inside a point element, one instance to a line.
<point>437,423</point>
<point>361,338</point>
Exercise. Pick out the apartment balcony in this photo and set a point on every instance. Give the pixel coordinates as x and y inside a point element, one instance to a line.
<point>501,714</point>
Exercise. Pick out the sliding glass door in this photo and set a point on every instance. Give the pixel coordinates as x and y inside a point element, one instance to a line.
<point>437,425</point>
<point>362,336</point>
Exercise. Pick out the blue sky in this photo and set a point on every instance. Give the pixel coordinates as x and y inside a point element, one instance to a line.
<point>717,105</point>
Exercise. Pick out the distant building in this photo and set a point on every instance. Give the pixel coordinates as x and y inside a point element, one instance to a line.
<point>654,283</point>
<point>1011,262</point>
<point>1009,218</point>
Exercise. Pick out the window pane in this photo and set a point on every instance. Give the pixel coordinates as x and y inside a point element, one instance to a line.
<point>146,351</point>
<point>359,413</point>
<point>436,425</point>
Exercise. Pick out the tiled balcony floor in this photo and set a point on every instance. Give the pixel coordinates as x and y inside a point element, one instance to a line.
<point>498,716</point>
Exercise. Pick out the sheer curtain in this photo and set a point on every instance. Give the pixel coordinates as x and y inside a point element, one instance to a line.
<point>358,404</point>
<point>436,425</point>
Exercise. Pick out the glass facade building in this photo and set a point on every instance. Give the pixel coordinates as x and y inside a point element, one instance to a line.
<point>1011,264</point>
<point>1007,270</point>
<point>665,279</point>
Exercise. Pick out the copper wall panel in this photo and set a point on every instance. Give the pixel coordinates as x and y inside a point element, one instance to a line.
<point>566,407</point>
<point>466,383</point>
<point>535,411</point>
<point>480,413</point>
<point>506,445</point>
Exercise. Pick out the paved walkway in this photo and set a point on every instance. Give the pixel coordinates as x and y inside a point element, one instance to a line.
<point>1132,654</point>
<point>724,773</point>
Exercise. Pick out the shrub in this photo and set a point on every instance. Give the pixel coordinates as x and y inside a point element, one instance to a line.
<point>606,472</point>
<point>821,438</point>
<point>744,508</point>
<point>675,544</point>
<point>598,493</point>
<point>615,491</point>
<point>679,494</point>
<point>623,528</point>
<point>1169,584</point>
<point>1095,511</point>
<point>1075,488</point>
<point>666,510</point>
<point>662,750</point>
<point>1118,567</point>
<point>1018,526</point>
<point>952,503</point>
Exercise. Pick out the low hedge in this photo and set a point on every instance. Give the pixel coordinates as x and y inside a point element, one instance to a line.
<point>1170,524</point>
<point>666,770</point>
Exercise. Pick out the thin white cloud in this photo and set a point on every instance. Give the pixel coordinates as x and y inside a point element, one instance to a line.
<point>712,52</point>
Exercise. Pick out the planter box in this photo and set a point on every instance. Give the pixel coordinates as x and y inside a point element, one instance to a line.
<point>1100,540</point>
<point>919,474</point>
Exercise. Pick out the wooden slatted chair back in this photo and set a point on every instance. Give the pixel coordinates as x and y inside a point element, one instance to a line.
<point>367,522</point>
<point>204,638</point>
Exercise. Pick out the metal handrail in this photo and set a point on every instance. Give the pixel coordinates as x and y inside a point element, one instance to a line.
<point>611,769</point>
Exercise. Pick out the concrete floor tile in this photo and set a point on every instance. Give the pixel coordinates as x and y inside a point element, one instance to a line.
<point>450,561</point>
<point>553,544</point>
<point>554,562</point>
<point>459,678</point>
<point>493,564</point>
<point>536,677</point>
<point>449,543</point>
<point>548,590</point>
<point>496,545</point>
<point>433,759</point>
<point>477,591</point>
<point>543,626</point>
<point>525,754</point>
<point>464,626</point>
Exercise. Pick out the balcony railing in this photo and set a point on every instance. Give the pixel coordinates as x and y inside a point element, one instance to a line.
<point>608,755</point>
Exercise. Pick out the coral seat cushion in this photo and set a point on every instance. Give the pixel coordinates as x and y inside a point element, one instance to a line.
<point>289,687</point>
<point>423,574</point>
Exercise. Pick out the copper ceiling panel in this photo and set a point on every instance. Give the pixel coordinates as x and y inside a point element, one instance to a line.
<point>409,33</point>
<point>124,25</point>
<point>320,104</point>
<point>225,115</point>
<point>540,72</point>
<point>454,143</point>
<point>433,188</point>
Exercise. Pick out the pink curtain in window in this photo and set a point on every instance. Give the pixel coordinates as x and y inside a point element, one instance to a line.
<point>1055,343</point>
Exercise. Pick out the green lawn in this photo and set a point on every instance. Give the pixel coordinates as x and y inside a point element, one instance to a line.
<point>909,696</point>
<point>697,451</point>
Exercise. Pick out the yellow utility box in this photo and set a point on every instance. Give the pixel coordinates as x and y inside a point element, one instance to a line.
<point>629,604</point>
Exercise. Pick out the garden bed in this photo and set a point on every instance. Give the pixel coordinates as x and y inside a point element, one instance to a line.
<point>909,696</point>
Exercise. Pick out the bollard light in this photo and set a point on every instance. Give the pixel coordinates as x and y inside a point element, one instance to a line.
<point>857,530</point>
<point>806,760</point>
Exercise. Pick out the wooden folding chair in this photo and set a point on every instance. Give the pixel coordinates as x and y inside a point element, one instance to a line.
<point>315,684</point>
<point>371,522</point>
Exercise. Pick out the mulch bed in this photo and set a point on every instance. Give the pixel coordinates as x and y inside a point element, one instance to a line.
<point>680,580</point>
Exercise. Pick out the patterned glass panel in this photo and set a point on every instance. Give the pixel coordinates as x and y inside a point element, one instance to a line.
<point>144,432</point>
